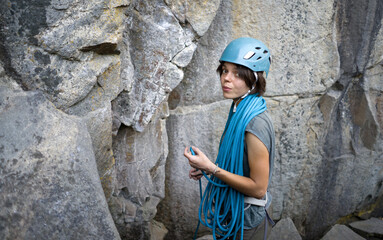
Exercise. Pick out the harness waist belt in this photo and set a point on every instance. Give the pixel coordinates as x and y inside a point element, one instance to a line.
<point>256,201</point>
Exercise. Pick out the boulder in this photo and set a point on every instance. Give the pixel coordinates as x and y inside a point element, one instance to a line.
<point>341,232</point>
<point>50,187</point>
<point>66,45</point>
<point>284,230</point>
<point>372,227</point>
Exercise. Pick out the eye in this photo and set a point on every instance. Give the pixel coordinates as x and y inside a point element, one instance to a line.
<point>236,74</point>
<point>224,71</point>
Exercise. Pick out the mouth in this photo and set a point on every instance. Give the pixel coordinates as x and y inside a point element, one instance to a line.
<point>226,89</point>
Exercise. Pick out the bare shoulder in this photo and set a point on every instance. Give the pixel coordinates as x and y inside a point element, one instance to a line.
<point>254,143</point>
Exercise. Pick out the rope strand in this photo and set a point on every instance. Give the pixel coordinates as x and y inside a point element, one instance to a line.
<point>222,207</point>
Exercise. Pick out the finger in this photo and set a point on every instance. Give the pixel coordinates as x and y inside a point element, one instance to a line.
<point>192,170</point>
<point>197,176</point>
<point>196,150</point>
<point>187,152</point>
<point>195,172</point>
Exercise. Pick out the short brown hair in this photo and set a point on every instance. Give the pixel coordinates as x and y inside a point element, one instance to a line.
<point>248,76</point>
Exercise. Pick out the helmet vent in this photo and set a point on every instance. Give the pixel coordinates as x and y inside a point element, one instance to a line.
<point>249,55</point>
<point>264,52</point>
<point>258,48</point>
<point>259,58</point>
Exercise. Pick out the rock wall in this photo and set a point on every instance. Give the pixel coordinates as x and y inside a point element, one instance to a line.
<point>125,85</point>
<point>50,186</point>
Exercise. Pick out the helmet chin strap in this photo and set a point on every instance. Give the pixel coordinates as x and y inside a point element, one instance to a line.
<point>246,94</point>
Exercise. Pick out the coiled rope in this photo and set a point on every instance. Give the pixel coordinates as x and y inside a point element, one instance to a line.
<point>222,207</point>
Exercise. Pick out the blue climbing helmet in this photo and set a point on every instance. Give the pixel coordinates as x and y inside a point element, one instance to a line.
<point>248,52</point>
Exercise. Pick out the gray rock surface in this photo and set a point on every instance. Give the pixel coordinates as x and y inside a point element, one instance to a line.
<point>198,13</point>
<point>201,126</point>
<point>50,188</point>
<point>150,87</point>
<point>284,230</point>
<point>372,227</point>
<point>99,125</point>
<point>341,232</point>
<point>120,66</point>
<point>140,168</point>
<point>207,237</point>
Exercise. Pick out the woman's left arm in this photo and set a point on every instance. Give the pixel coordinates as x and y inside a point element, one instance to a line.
<point>258,157</point>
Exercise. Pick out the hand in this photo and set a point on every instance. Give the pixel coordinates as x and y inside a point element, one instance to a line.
<point>199,160</point>
<point>195,174</point>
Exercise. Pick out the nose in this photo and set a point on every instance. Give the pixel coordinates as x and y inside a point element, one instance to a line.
<point>228,76</point>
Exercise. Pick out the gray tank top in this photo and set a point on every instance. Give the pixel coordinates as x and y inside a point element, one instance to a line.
<point>262,127</point>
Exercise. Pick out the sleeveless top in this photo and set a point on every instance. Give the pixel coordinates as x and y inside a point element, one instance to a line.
<point>262,127</point>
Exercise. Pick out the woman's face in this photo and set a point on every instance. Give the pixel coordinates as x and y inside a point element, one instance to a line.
<point>232,85</point>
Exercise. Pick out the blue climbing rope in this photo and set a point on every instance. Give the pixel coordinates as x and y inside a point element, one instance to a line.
<point>222,207</point>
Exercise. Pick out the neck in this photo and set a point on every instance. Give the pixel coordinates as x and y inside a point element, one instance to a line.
<point>237,101</point>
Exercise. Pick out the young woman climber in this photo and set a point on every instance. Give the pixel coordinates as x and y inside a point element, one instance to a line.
<point>235,202</point>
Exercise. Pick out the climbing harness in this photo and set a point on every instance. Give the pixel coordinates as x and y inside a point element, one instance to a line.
<point>222,207</point>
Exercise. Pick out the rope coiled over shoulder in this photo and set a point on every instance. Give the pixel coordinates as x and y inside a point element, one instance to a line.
<point>222,207</point>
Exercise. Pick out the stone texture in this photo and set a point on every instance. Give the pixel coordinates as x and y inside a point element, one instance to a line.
<point>202,127</point>
<point>207,237</point>
<point>118,65</point>
<point>99,125</point>
<point>199,13</point>
<point>284,230</point>
<point>296,155</point>
<point>352,141</point>
<point>200,84</point>
<point>301,41</point>
<point>50,186</point>
<point>108,86</point>
<point>66,45</point>
<point>140,184</point>
<point>314,115</point>
<point>146,22</point>
<point>341,232</point>
<point>372,227</point>
<point>6,81</point>
<point>183,58</point>
<point>157,230</point>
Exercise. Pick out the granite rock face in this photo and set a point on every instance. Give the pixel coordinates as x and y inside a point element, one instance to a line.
<point>182,193</point>
<point>341,232</point>
<point>371,228</point>
<point>49,181</point>
<point>140,168</point>
<point>284,229</point>
<point>139,79</point>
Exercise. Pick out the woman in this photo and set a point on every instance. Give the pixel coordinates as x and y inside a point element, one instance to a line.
<point>244,164</point>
